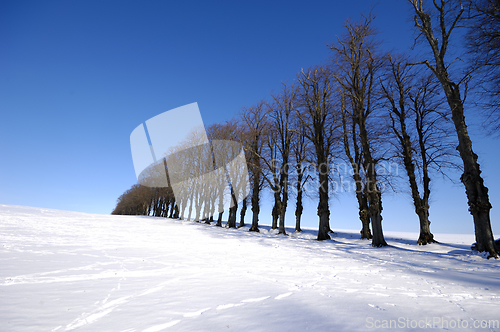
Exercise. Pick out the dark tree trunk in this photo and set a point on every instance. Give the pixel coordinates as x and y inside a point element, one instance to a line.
<point>172,207</point>
<point>219,219</point>
<point>299,207</point>
<point>420,203</point>
<point>317,91</point>
<point>323,210</point>
<point>221,207</point>
<point>176,212</point>
<point>375,209</point>
<point>372,190</point>
<point>231,222</point>
<point>159,203</point>
<point>425,236</point>
<point>276,208</point>
<point>355,164</point>
<point>366,233</point>
<point>477,193</point>
<point>243,212</point>
<point>284,195</point>
<point>255,212</point>
<point>166,207</point>
<point>255,196</point>
<point>281,229</point>
<point>422,208</point>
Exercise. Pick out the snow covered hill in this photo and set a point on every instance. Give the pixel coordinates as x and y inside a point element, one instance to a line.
<point>63,271</point>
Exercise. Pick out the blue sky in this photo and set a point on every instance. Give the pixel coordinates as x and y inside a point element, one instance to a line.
<point>76,77</point>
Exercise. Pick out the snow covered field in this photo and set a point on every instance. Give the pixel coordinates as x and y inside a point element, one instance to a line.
<point>63,271</point>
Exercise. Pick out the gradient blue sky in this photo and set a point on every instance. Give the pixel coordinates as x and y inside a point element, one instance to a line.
<point>76,77</point>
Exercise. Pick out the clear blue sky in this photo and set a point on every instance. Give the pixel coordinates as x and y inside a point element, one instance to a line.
<point>76,77</point>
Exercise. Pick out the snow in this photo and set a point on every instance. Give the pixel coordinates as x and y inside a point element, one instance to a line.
<point>65,271</point>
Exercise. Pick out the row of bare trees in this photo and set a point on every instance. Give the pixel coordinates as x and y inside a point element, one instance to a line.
<point>141,200</point>
<point>364,108</point>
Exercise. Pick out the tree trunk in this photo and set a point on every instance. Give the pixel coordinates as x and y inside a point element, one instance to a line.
<point>372,191</point>
<point>255,203</point>
<point>421,204</point>
<point>364,214</point>
<point>299,207</point>
<point>231,222</point>
<point>281,229</point>
<point>255,212</point>
<point>242,213</point>
<point>276,209</point>
<point>366,233</point>
<point>172,207</point>
<point>355,164</point>
<point>284,195</point>
<point>477,193</point>
<point>425,236</point>
<point>176,212</point>
<point>422,209</point>
<point>323,210</point>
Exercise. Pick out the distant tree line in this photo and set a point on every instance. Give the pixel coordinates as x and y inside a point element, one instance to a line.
<point>350,124</point>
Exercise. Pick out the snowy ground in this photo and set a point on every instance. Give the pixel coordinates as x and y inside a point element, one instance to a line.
<point>63,271</point>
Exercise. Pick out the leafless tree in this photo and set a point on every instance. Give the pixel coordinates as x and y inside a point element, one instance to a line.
<point>300,151</point>
<point>447,14</point>
<point>270,165</point>
<point>319,118</point>
<point>354,155</point>
<point>215,132</point>
<point>225,141</point>
<point>276,155</point>
<point>358,67</point>
<point>255,119</point>
<point>141,200</point>
<point>422,132</point>
<point>483,42</point>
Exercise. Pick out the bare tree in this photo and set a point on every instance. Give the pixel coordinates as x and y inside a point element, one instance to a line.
<point>276,156</point>
<point>217,132</point>
<point>255,119</point>
<point>354,155</point>
<point>300,152</point>
<point>447,14</point>
<point>319,118</point>
<point>358,67</point>
<point>270,163</point>
<point>226,145</point>
<point>421,130</point>
<point>243,211</point>
<point>483,43</point>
